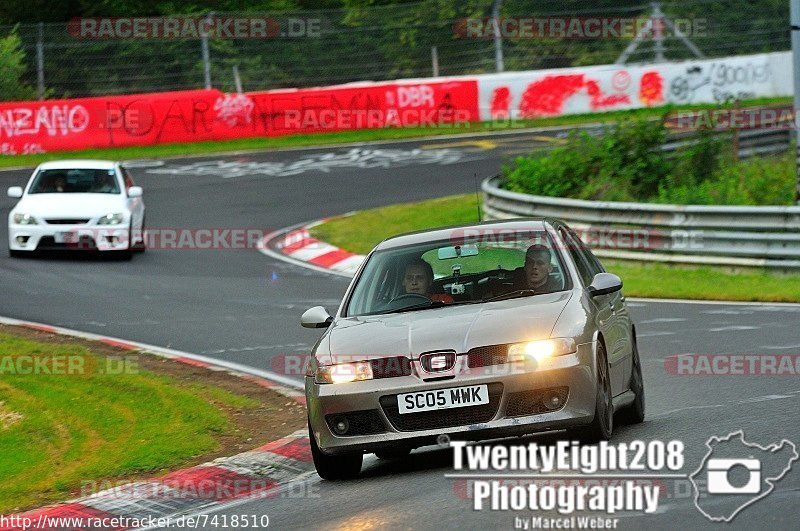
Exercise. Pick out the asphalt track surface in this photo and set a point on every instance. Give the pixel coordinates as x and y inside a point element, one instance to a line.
<point>242,306</point>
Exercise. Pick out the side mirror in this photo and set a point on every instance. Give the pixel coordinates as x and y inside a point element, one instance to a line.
<point>316,317</point>
<point>15,192</point>
<point>135,191</point>
<point>604,283</point>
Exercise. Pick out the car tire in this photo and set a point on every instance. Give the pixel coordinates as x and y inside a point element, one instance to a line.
<point>392,454</point>
<point>124,256</point>
<point>634,413</point>
<point>141,246</point>
<point>602,426</point>
<point>333,467</point>
<point>14,254</point>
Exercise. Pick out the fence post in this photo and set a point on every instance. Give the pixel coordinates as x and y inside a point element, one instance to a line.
<point>40,60</point>
<point>206,56</point>
<point>794,15</point>
<point>658,32</point>
<point>435,61</point>
<point>498,37</point>
<point>237,80</point>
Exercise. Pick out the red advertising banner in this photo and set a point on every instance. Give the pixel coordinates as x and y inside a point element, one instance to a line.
<point>192,116</point>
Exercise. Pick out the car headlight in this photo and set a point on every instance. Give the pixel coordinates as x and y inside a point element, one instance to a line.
<point>24,219</point>
<point>111,219</point>
<point>344,372</point>
<point>539,350</point>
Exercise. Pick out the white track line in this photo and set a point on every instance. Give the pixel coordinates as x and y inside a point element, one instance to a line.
<point>165,352</point>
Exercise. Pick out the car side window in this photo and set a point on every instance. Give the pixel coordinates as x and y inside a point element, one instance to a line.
<point>575,251</point>
<point>594,264</point>
<point>127,177</point>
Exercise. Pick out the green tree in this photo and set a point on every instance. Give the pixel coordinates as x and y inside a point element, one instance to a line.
<point>12,64</point>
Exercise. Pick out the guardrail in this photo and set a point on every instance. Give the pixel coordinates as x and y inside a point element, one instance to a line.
<point>751,142</point>
<point>743,236</point>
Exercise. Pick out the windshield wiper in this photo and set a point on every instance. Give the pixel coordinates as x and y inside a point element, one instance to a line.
<point>420,306</point>
<point>430,304</point>
<point>512,295</point>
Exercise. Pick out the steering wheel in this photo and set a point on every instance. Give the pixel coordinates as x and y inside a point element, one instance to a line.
<point>410,297</point>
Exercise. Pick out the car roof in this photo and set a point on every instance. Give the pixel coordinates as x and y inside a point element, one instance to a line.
<point>445,233</point>
<point>90,164</point>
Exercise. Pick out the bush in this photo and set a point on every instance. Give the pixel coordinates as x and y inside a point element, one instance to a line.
<point>622,164</point>
<point>626,164</point>
<point>757,181</point>
<point>12,66</point>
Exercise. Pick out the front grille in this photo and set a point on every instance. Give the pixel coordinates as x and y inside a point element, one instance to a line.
<point>390,367</point>
<point>367,422</point>
<point>67,221</point>
<point>532,402</point>
<point>445,418</point>
<point>489,355</point>
<point>48,243</point>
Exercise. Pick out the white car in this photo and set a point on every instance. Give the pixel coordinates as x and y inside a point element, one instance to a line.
<point>77,204</point>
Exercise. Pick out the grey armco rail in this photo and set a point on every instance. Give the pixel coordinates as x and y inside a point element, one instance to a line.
<point>743,236</point>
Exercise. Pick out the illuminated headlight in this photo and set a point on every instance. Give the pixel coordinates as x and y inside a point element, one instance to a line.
<point>111,219</point>
<point>24,219</point>
<point>539,350</point>
<point>344,372</point>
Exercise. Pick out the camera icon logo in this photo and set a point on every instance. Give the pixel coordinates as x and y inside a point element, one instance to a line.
<point>718,480</point>
<point>735,474</point>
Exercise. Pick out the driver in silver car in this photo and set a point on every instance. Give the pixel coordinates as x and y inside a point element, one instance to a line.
<point>535,274</point>
<point>418,279</point>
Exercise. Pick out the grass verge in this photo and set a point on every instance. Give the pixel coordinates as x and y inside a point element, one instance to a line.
<point>344,137</point>
<point>360,232</point>
<point>103,416</point>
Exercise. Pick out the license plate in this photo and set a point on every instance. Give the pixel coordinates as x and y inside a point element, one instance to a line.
<point>66,237</point>
<point>473,395</point>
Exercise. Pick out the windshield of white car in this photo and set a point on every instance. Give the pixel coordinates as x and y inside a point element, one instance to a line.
<point>444,273</point>
<point>75,181</point>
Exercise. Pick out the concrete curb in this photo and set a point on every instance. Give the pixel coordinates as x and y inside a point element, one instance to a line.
<point>295,245</point>
<point>259,473</point>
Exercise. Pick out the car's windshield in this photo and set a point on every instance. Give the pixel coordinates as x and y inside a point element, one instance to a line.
<point>78,180</point>
<point>458,271</point>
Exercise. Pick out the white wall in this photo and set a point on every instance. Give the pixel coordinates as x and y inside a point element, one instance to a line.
<point>558,92</point>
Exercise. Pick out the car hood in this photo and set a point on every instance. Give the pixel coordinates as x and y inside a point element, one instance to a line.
<point>459,328</point>
<point>71,205</point>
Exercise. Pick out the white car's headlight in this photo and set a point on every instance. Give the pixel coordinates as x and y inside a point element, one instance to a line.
<point>344,372</point>
<point>111,219</point>
<point>24,219</point>
<point>539,350</point>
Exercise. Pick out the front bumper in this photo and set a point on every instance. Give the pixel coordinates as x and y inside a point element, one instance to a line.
<point>84,237</point>
<point>372,400</point>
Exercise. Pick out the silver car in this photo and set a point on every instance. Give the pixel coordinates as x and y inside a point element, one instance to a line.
<point>473,332</point>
